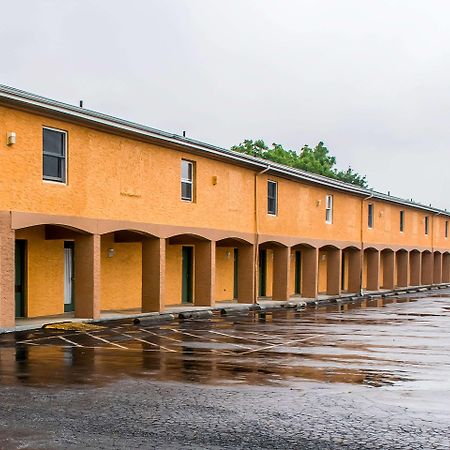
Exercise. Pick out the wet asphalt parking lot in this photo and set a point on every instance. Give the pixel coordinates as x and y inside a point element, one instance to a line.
<point>357,376</point>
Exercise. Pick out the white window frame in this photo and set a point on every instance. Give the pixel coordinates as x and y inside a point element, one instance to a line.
<point>329,209</point>
<point>49,179</point>
<point>370,215</point>
<point>271,182</point>
<point>187,180</point>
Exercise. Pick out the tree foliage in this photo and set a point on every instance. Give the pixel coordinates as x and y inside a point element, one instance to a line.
<point>317,160</point>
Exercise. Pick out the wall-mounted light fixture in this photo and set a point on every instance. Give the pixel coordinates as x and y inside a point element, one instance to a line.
<point>10,138</point>
<point>228,254</point>
<point>111,252</point>
<point>318,202</point>
<point>214,180</point>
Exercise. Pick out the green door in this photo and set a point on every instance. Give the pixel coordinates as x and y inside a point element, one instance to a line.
<point>262,272</point>
<point>298,271</point>
<point>236,274</point>
<point>20,278</point>
<point>69,304</point>
<point>186,288</point>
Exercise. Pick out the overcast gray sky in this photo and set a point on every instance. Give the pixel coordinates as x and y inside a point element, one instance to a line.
<point>369,78</point>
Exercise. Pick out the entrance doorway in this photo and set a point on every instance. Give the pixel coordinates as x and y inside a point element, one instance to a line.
<point>187,265</point>
<point>69,303</point>
<point>298,271</point>
<point>262,272</point>
<point>20,291</point>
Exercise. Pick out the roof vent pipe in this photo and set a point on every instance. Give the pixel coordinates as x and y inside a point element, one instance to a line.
<point>184,133</point>
<point>81,103</point>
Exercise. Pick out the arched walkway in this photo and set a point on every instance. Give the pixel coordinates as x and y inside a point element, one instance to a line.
<point>351,270</point>
<point>427,267</point>
<point>387,268</point>
<point>235,270</point>
<point>402,268</point>
<point>303,281</point>
<point>190,266</point>
<point>446,267</point>
<point>415,268</point>
<point>329,271</point>
<point>437,267</point>
<point>371,269</point>
<point>273,270</point>
<point>68,260</point>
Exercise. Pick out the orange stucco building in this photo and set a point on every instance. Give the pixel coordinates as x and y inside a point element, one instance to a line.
<point>97,213</point>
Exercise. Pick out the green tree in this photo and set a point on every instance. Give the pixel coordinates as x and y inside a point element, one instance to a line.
<point>317,160</point>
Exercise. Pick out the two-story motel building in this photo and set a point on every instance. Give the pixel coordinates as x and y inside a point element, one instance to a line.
<point>98,214</point>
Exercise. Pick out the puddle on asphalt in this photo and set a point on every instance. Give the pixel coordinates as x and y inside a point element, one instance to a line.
<point>381,342</point>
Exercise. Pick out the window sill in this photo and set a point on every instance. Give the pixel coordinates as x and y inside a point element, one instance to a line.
<point>59,183</point>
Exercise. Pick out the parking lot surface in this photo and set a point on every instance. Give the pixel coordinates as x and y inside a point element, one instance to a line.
<point>370,375</point>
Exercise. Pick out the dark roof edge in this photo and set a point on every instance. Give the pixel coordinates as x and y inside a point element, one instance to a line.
<point>26,98</point>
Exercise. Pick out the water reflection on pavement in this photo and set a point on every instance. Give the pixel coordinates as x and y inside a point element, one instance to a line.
<point>381,342</point>
<point>354,376</point>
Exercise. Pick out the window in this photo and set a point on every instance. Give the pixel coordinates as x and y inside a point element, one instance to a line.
<point>446,229</point>
<point>426,224</point>
<point>402,221</point>
<point>370,215</point>
<point>272,188</point>
<point>187,180</point>
<point>54,155</point>
<point>329,209</point>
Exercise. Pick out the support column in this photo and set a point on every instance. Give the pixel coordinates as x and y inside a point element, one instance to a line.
<point>354,270</point>
<point>388,269</point>
<point>415,269</point>
<point>87,276</point>
<point>246,274</point>
<point>205,270</point>
<point>153,274</point>
<point>310,263</point>
<point>334,261</point>
<point>7,272</point>
<point>373,269</point>
<point>446,268</point>
<point>437,268</point>
<point>281,268</point>
<point>402,261</point>
<point>427,268</point>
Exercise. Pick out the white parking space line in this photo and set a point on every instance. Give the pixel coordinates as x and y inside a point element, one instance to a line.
<point>209,339</point>
<point>160,335</point>
<point>270,347</point>
<point>104,340</point>
<point>75,344</point>
<point>237,337</point>
<point>145,341</point>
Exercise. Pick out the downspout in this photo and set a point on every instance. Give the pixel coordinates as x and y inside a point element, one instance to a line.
<point>255,282</point>
<point>362,246</point>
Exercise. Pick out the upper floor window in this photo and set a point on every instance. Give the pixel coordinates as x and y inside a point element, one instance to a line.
<point>54,155</point>
<point>272,193</point>
<point>426,224</point>
<point>329,209</point>
<point>187,180</point>
<point>446,228</point>
<point>370,215</point>
<point>402,221</point>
